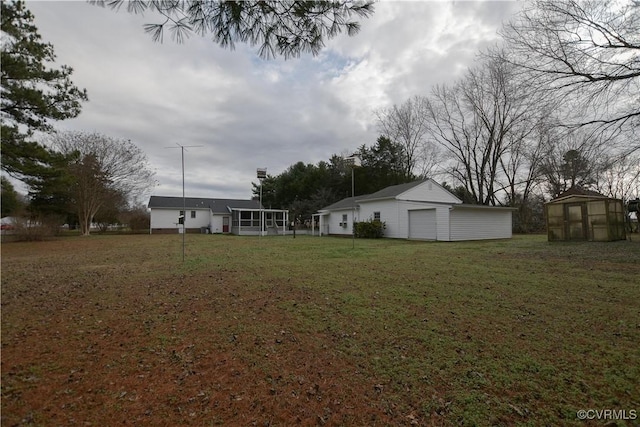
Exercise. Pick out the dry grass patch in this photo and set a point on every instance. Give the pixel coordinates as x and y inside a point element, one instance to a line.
<point>308,331</point>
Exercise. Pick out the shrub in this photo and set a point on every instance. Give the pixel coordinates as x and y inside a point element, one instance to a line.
<point>371,229</point>
<point>40,228</point>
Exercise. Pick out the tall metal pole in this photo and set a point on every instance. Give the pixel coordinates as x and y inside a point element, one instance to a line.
<point>184,200</point>
<point>184,206</point>
<point>353,210</point>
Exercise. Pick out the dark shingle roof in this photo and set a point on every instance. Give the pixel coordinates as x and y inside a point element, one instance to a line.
<point>385,193</point>
<point>390,192</point>
<point>342,204</point>
<point>216,205</point>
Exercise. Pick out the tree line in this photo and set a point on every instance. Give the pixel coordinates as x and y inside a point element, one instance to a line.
<point>76,178</point>
<point>81,177</point>
<point>305,188</point>
<point>554,106</point>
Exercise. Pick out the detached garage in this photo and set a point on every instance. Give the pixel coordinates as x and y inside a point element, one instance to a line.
<point>421,210</point>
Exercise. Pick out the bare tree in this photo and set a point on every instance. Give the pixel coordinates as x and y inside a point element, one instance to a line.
<point>584,55</point>
<point>103,169</point>
<point>408,126</point>
<point>481,121</point>
<point>620,178</point>
<point>521,167</point>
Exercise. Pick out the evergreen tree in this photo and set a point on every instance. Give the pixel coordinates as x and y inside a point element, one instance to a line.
<point>10,203</point>
<point>33,94</point>
<point>280,27</point>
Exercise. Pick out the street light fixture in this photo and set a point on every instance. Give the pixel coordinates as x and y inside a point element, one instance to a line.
<point>262,174</point>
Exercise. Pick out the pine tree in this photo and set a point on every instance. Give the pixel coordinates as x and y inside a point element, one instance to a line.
<point>33,93</point>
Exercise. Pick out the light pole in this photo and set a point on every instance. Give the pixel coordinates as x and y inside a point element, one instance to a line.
<point>262,174</point>
<point>354,162</point>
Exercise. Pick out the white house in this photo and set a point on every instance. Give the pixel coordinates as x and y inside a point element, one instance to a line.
<point>241,217</point>
<point>417,210</point>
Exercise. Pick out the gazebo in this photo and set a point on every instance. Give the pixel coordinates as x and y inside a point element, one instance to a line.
<point>579,214</point>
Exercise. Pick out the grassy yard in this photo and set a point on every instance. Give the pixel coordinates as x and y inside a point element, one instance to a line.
<point>279,331</point>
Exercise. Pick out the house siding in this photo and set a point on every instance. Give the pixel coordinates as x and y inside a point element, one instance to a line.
<point>388,214</point>
<point>478,224</point>
<point>395,214</point>
<point>335,218</point>
<point>166,219</point>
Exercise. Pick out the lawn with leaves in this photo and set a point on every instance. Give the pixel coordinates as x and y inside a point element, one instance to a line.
<point>280,331</point>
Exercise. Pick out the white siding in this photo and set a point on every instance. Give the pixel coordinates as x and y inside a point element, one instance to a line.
<point>389,214</point>
<point>443,214</point>
<point>395,215</point>
<point>164,218</point>
<point>429,191</point>
<point>335,218</point>
<point>167,218</point>
<point>481,223</point>
<point>422,224</point>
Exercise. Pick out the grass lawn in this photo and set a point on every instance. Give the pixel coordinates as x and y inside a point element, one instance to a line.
<point>278,331</point>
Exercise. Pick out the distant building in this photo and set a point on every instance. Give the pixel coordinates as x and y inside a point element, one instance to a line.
<point>226,216</point>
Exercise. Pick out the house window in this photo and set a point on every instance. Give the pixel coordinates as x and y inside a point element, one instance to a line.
<point>181,213</point>
<point>344,221</point>
<point>193,214</point>
<point>376,216</point>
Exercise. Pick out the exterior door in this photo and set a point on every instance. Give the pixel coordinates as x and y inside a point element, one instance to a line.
<point>225,224</point>
<point>576,221</point>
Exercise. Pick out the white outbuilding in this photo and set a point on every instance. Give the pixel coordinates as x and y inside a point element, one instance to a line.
<point>421,210</point>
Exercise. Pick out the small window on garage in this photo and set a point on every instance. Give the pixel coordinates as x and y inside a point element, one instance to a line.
<point>193,214</point>
<point>376,216</point>
<point>344,218</point>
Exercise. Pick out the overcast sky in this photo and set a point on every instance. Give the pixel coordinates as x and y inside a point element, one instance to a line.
<point>246,112</point>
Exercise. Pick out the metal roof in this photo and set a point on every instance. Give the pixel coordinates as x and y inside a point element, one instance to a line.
<point>216,205</point>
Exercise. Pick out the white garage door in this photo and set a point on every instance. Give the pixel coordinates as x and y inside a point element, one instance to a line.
<point>422,224</point>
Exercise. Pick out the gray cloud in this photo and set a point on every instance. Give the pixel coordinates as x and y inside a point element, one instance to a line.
<point>246,112</point>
